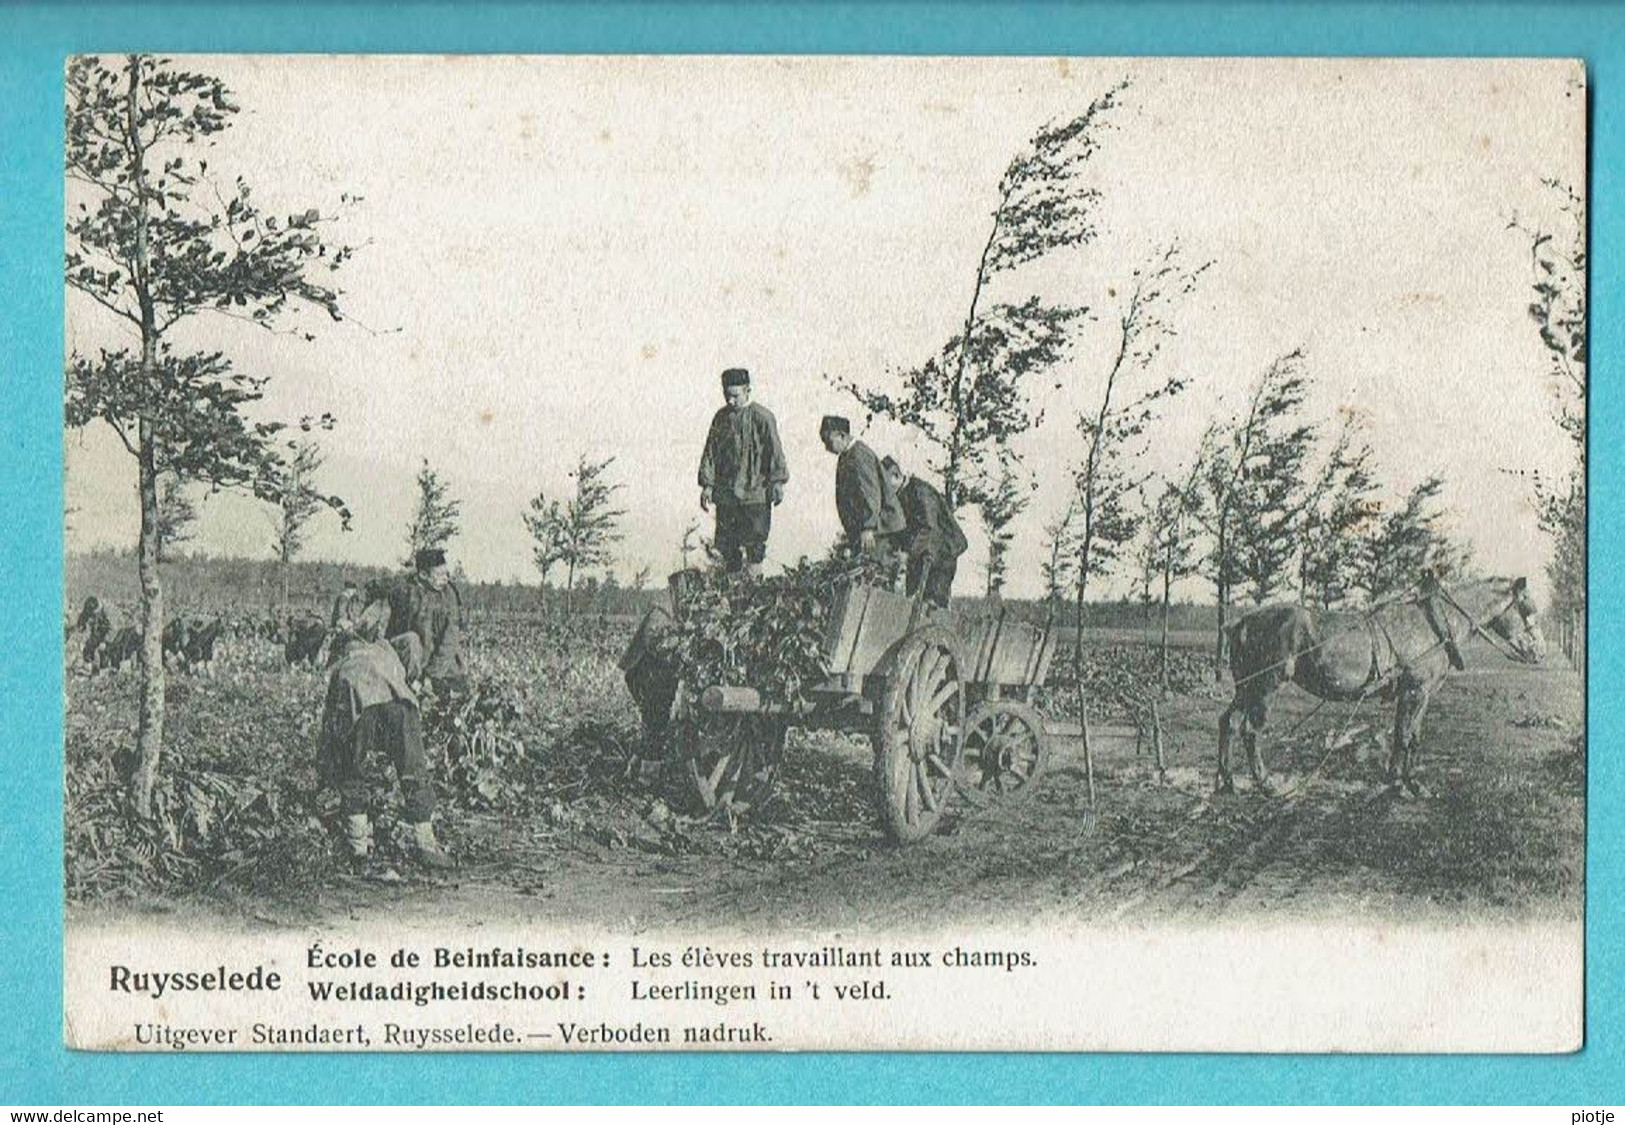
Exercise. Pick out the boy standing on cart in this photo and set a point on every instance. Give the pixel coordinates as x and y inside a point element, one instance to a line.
<point>932,539</point>
<point>742,473</point>
<point>864,498</point>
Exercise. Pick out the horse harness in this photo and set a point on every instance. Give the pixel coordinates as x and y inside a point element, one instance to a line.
<point>1439,622</point>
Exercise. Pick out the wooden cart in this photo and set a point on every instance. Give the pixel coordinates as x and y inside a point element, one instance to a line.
<point>944,697</point>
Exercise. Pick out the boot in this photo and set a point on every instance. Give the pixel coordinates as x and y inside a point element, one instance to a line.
<point>358,836</point>
<point>428,849</point>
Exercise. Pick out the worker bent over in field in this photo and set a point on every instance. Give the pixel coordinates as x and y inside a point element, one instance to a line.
<point>428,606</point>
<point>371,717</point>
<point>931,539</point>
<point>864,499</point>
<point>742,473</point>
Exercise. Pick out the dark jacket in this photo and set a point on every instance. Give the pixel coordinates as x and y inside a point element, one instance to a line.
<point>932,529</point>
<point>742,455</point>
<point>436,616</point>
<point>863,496</point>
<point>346,608</point>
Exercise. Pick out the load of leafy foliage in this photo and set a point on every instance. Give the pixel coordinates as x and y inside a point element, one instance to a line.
<point>765,633</point>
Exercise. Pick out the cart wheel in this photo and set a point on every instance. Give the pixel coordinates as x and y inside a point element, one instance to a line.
<point>732,761</point>
<point>918,733</point>
<point>1005,750</point>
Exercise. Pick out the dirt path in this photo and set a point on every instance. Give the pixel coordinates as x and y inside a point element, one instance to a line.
<point>1500,832</point>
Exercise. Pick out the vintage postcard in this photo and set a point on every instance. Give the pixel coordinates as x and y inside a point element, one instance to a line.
<point>776,553</point>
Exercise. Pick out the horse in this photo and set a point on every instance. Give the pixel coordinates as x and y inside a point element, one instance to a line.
<point>1399,651</point>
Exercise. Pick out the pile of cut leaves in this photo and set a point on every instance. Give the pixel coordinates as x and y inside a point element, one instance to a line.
<point>472,727</point>
<point>764,633</point>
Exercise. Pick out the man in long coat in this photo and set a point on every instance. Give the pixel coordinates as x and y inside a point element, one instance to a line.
<point>932,538</point>
<point>742,474</point>
<point>428,605</point>
<point>864,500</point>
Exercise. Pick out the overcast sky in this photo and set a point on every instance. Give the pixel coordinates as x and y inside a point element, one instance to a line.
<point>561,254</point>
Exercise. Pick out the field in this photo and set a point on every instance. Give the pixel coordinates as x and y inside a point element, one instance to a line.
<point>546,818</point>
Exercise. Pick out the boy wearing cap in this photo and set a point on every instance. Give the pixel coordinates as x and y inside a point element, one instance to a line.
<point>864,499</point>
<point>932,538</point>
<point>428,605</point>
<point>742,474</point>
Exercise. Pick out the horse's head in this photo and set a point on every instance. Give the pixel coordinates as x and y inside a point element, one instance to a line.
<point>1515,623</point>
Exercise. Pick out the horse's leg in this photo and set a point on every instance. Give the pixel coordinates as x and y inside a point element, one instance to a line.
<point>1257,715</point>
<point>1398,745</point>
<point>1413,742</point>
<point>1399,759</point>
<point>1226,783</point>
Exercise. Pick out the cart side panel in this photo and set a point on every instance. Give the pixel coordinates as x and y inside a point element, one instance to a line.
<point>865,623</point>
<point>1007,651</point>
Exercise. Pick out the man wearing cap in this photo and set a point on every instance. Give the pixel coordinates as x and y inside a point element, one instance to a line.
<point>864,499</point>
<point>371,717</point>
<point>347,609</point>
<point>932,538</point>
<point>743,474</point>
<point>428,605</point>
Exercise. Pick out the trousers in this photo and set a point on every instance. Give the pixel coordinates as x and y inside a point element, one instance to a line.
<point>387,732</point>
<point>742,531</point>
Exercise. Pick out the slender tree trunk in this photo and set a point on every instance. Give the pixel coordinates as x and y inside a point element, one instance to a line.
<point>1167,596</point>
<point>1221,588</point>
<point>150,728</point>
<point>150,725</point>
<point>956,398</point>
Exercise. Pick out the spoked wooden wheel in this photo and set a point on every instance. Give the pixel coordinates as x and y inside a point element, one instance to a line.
<point>732,760</point>
<point>1005,750</point>
<point>918,733</point>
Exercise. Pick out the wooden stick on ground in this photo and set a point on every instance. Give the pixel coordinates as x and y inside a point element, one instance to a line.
<point>1156,740</point>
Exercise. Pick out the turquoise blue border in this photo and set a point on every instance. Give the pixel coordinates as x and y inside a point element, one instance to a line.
<point>34,39</point>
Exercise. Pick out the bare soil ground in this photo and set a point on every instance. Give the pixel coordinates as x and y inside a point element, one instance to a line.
<point>1498,833</point>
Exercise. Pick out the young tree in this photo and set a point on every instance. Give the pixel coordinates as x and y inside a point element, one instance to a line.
<point>1172,540</point>
<point>1558,262</point>
<point>547,525</point>
<point>177,515</point>
<point>1411,540</point>
<point>153,242</point>
<point>1274,493</point>
<point>580,531</point>
<point>1057,569</point>
<point>1114,430</point>
<point>299,501</point>
<point>436,520</point>
<point>1232,449</point>
<point>1339,519</point>
<point>970,399</point>
<point>999,509</point>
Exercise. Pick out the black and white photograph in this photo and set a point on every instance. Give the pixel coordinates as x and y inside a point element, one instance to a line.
<point>805,553</point>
